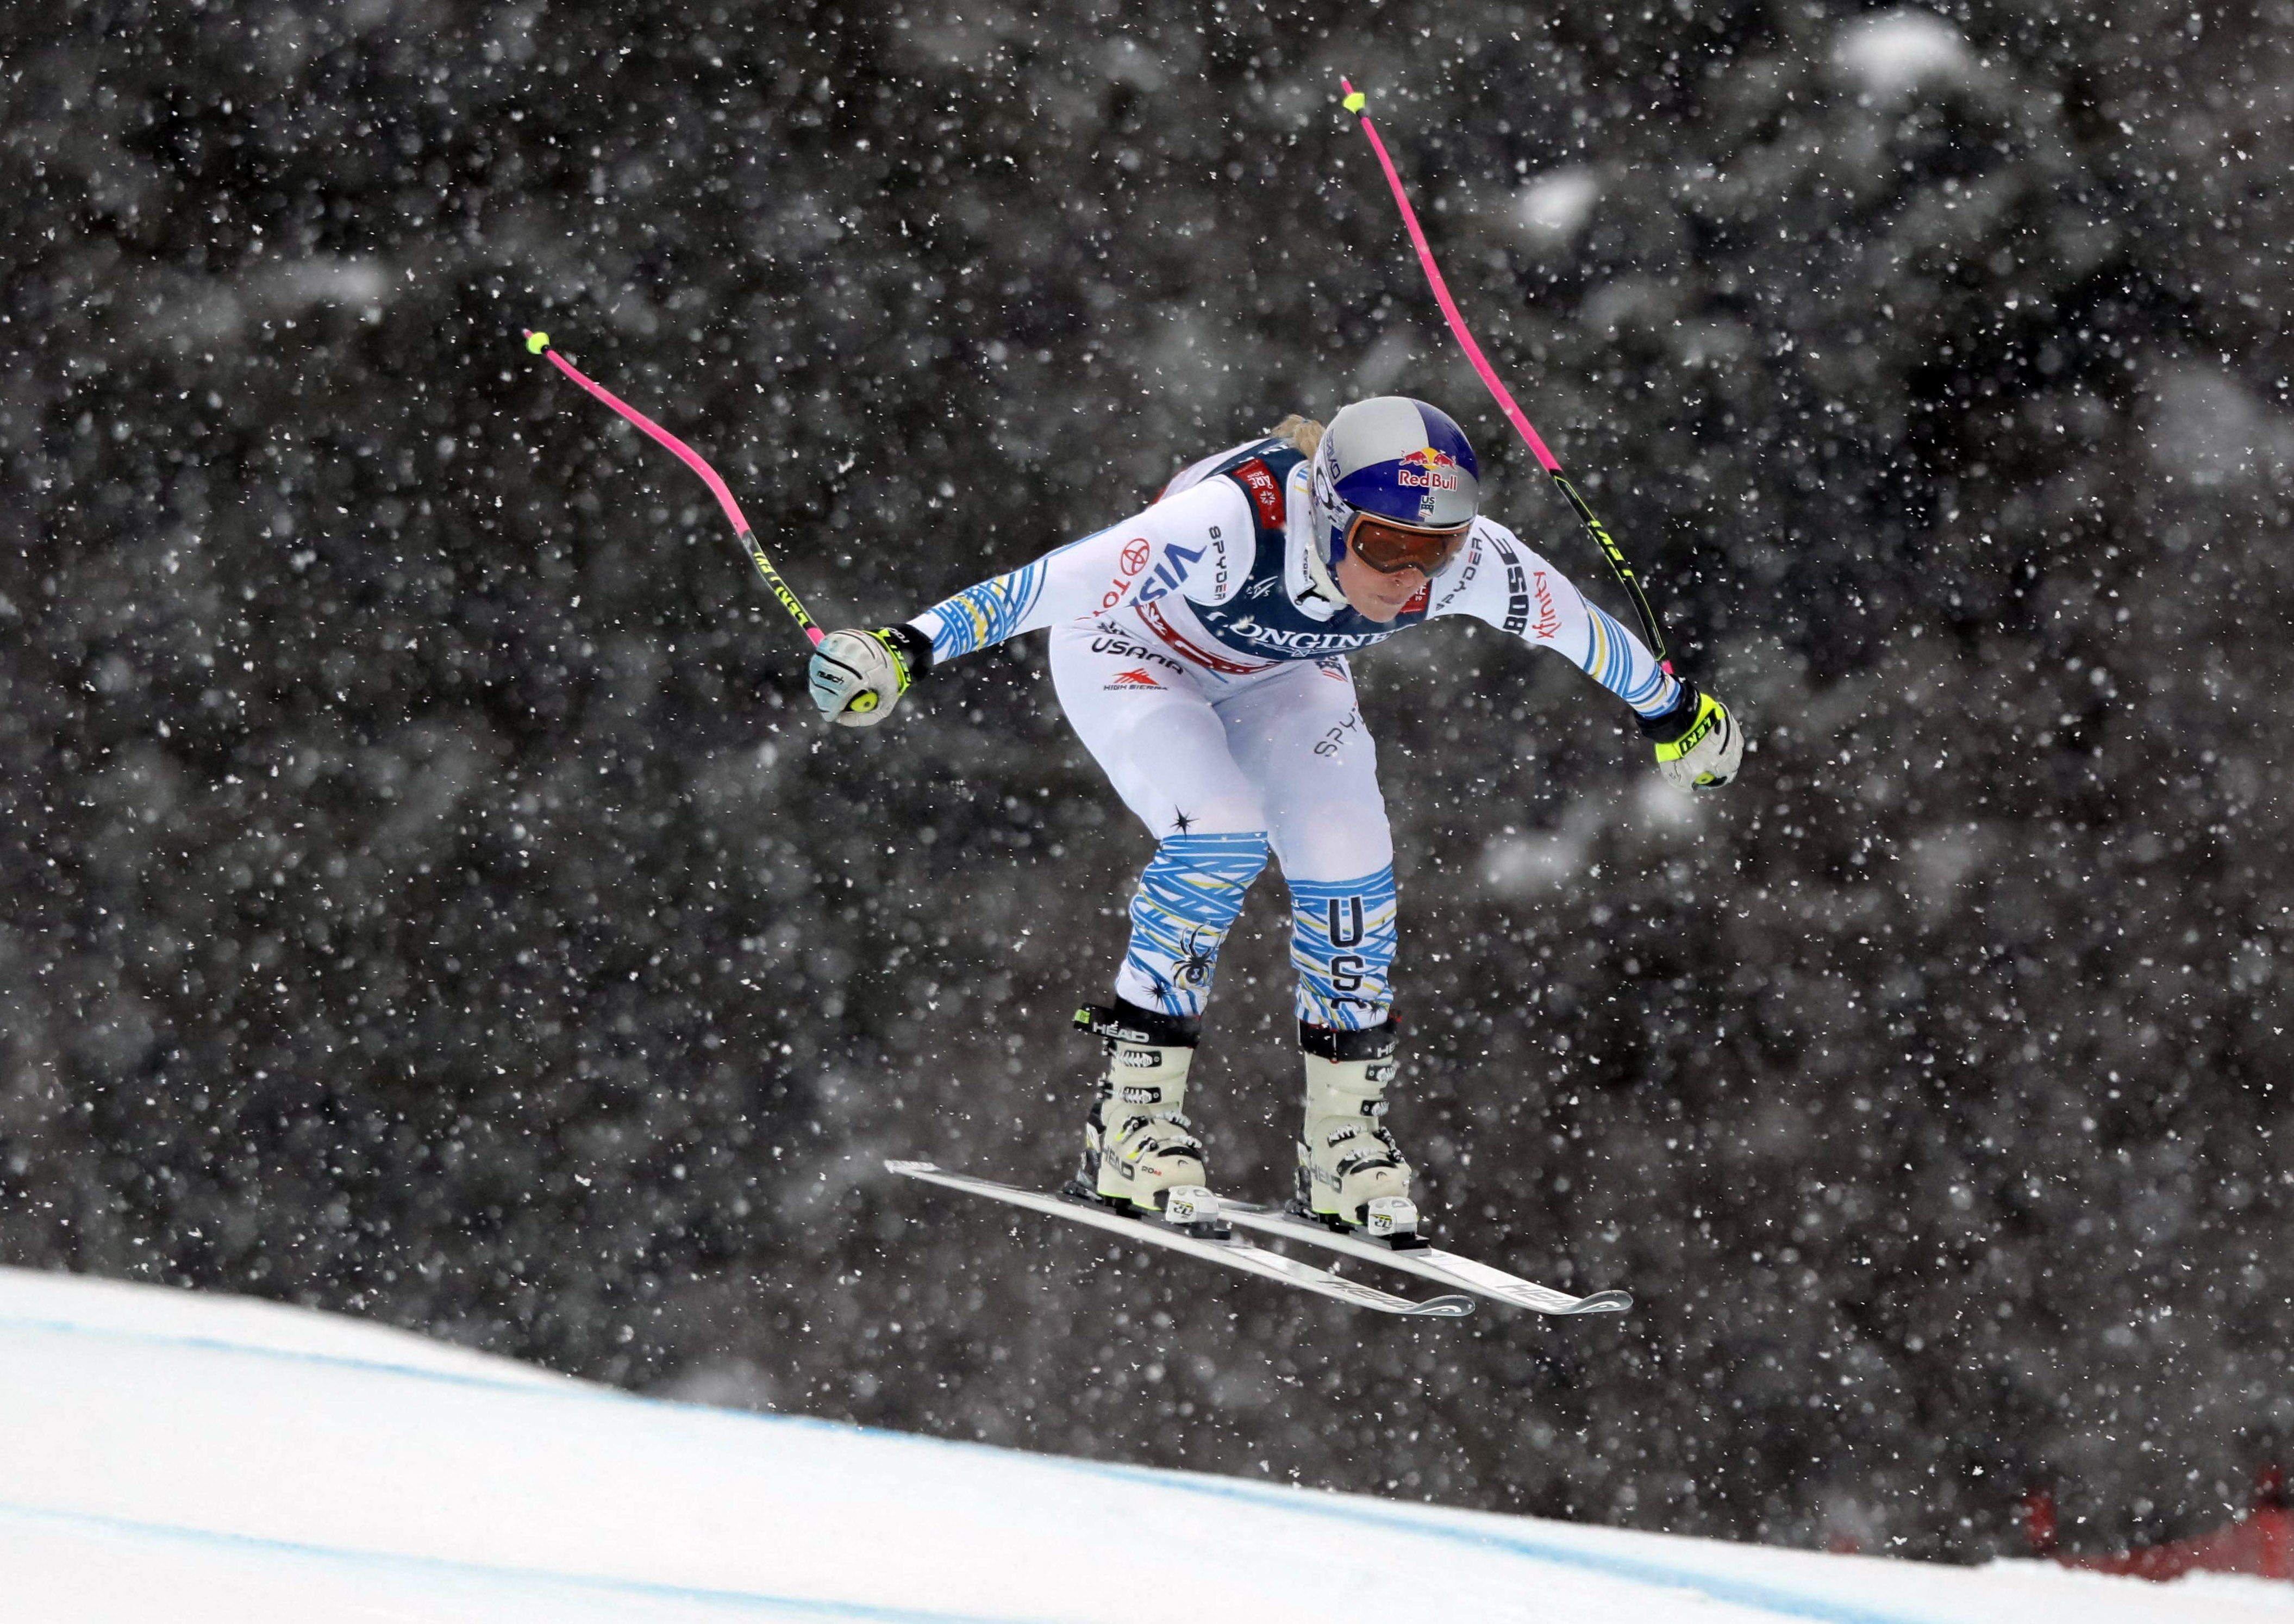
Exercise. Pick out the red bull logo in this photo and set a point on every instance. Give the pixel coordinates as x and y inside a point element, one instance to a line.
<point>1427,470</point>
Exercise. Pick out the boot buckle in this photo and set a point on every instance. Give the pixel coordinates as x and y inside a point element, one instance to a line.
<point>1186,1204</point>
<point>1390,1216</point>
<point>1192,1208</point>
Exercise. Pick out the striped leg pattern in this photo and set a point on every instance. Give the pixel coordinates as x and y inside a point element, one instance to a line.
<point>1186,903</point>
<point>1342,940</point>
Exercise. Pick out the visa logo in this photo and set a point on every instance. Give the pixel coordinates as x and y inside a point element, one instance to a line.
<point>1168,574</point>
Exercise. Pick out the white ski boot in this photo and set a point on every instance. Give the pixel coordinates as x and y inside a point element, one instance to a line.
<point>1135,1144</point>
<point>1351,1174</point>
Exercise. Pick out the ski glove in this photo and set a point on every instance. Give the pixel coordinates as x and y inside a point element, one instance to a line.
<point>858,677</point>
<point>1698,743</point>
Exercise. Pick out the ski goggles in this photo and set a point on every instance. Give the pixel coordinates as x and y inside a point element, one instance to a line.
<point>1390,548</point>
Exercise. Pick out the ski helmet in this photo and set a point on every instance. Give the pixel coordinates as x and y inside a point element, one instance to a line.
<point>1392,458</point>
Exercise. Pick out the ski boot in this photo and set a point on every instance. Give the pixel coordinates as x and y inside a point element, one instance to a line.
<point>1135,1144</point>
<point>1351,1174</point>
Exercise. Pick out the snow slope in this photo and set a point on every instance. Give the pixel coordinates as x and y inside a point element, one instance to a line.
<point>170,1454</point>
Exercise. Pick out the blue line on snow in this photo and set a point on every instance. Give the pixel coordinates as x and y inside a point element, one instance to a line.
<point>443,1565</point>
<point>1738,1592</point>
<point>341,1361</point>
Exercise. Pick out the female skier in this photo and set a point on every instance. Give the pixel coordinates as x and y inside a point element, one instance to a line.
<point>1200,651</point>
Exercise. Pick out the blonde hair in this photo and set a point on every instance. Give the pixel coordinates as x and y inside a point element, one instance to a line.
<point>1303,434</point>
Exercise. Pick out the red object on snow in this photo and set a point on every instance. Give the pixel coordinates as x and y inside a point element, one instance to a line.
<point>2040,1522</point>
<point>2259,1542</point>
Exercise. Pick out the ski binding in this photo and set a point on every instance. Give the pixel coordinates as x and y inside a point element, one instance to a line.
<point>1408,1251</point>
<point>1393,1219</point>
<point>1194,1223</point>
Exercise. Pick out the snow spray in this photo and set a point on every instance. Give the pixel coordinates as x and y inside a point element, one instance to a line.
<point>538,344</point>
<point>1354,104</point>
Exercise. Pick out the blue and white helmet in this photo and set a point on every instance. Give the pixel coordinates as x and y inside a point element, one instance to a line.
<point>1397,458</point>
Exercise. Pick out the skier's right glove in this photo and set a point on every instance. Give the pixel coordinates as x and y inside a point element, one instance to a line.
<point>858,677</point>
<point>1698,743</point>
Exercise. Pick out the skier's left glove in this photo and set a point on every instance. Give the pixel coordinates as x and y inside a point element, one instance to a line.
<point>1698,743</point>
<point>858,677</point>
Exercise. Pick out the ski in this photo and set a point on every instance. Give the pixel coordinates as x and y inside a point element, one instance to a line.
<point>1427,1263</point>
<point>1231,1251</point>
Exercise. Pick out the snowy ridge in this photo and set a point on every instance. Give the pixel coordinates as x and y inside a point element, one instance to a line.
<point>204,1457</point>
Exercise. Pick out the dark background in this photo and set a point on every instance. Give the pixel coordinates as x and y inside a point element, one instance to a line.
<point>428,893</point>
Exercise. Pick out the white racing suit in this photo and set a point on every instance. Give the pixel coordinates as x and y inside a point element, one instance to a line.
<point>1200,654</point>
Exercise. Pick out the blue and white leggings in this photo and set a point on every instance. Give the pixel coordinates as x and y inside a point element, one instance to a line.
<point>1221,769</point>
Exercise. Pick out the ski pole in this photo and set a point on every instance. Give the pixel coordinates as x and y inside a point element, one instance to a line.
<point>1354,104</point>
<point>538,344</point>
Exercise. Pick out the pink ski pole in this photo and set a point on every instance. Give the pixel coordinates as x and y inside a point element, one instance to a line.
<point>538,344</point>
<point>1355,102</point>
